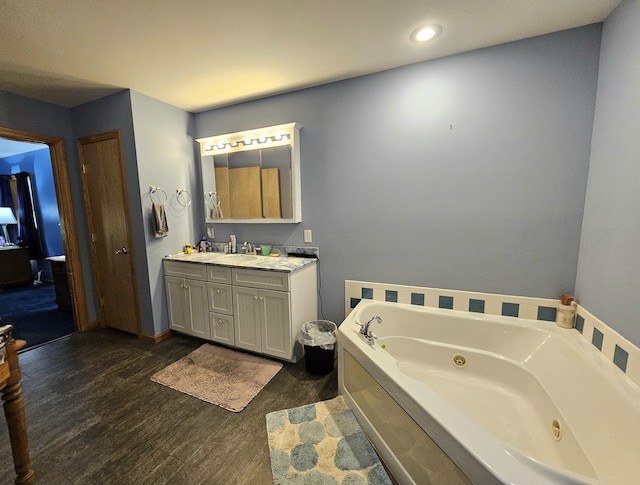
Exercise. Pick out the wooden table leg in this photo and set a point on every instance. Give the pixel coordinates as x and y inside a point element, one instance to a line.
<point>16,418</point>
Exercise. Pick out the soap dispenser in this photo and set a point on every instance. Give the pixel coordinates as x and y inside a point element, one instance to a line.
<point>566,312</point>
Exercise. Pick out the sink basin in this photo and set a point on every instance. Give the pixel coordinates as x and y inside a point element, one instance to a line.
<point>237,258</point>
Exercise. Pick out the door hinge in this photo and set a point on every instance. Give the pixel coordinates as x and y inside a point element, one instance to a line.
<point>85,168</point>
<point>93,237</point>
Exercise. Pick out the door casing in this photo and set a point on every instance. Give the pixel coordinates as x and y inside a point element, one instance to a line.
<point>109,224</point>
<point>67,220</point>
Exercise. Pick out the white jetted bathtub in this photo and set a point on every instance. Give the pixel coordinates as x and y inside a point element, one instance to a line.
<point>455,397</point>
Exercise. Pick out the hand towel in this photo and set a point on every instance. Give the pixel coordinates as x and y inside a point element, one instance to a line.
<point>160,220</point>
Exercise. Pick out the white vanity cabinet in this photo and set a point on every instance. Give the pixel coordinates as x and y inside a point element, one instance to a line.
<point>270,307</point>
<point>262,321</point>
<point>187,298</point>
<point>220,302</point>
<point>260,310</point>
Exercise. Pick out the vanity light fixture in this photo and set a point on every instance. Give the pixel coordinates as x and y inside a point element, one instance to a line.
<point>425,33</point>
<point>277,135</point>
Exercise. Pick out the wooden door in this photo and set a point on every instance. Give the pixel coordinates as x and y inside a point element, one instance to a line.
<point>107,209</point>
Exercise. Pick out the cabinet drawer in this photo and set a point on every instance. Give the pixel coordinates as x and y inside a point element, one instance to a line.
<point>220,298</point>
<point>270,280</point>
<point>222,329</point>
<point>218,274</point>
<point>193,271</point>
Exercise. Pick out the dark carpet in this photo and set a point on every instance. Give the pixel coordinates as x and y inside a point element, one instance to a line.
<point>34,314</point>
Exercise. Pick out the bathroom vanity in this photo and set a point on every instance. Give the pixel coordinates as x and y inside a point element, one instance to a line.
<point>256,303</point>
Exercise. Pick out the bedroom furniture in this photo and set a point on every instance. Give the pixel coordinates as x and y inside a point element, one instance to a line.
<point>6,217</point>
<point>14,406</point>
<point>60,281</point>
<point>15,267</point>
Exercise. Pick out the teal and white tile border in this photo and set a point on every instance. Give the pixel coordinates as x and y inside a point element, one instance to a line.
<point>615,348</point>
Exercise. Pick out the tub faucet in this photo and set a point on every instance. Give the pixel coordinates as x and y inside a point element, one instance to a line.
<point>365,330</point>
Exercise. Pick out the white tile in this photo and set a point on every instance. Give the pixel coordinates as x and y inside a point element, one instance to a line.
<point>528,311</point>
<point>608,346</point>
<point>352,292</point>
<point>633,369</point>
<point>461,303</point>
<point>404,297</point>
<point>492,307</point>
<point>587,331</point>
<point>431,300</point>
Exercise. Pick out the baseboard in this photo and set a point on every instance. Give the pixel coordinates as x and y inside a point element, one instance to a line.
<point>91,324</point>
<point>154,339</point>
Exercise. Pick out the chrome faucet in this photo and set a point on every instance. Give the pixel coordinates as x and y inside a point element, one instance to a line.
<point>365,330</point>
<point>247,248</point>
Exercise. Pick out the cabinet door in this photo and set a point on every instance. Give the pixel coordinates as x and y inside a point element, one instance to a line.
<point>222,328</point>
<point>276,323</point>
<point>177,303</point>
<point>220,298</point>
<point>198,309</point>
<point>247,318</point>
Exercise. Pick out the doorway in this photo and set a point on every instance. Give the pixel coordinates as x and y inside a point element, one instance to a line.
<point>67,221</point>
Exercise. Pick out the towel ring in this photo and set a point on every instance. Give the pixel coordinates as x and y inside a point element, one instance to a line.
<point>183,197</point>
<point>160,194</point>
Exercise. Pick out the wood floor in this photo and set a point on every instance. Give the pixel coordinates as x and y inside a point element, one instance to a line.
<point>95,417</point>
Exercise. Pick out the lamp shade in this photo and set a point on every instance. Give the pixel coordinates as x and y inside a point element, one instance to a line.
<point>6,216</point>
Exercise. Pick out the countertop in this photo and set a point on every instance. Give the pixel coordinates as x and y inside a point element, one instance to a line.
<point>269,263</point>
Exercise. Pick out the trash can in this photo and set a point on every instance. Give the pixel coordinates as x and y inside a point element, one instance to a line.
<point>318,338</point>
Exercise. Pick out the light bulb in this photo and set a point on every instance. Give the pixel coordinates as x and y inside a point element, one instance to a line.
<point>425,33</point>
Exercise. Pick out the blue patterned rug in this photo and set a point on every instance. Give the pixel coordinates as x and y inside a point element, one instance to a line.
<point>321,444</point>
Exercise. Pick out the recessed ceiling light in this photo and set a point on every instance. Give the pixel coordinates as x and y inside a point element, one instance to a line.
<point>425,33</point>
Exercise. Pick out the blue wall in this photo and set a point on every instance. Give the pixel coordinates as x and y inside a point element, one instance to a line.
<point>26,114</point>
<point>166,158</point>
<point>608,278</point>
<point>108,114</point>
<point>38,164</point>
<point>467,172</point>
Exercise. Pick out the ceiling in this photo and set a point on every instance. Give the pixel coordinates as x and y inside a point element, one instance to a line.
<point>202,54</point>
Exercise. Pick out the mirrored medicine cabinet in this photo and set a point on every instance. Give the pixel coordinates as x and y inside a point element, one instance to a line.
<point>252,176</point>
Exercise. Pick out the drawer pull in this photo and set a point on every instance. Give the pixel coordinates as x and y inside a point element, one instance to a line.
<point>218,292</point>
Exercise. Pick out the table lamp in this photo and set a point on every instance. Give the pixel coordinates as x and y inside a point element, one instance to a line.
<point>6,217</point>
